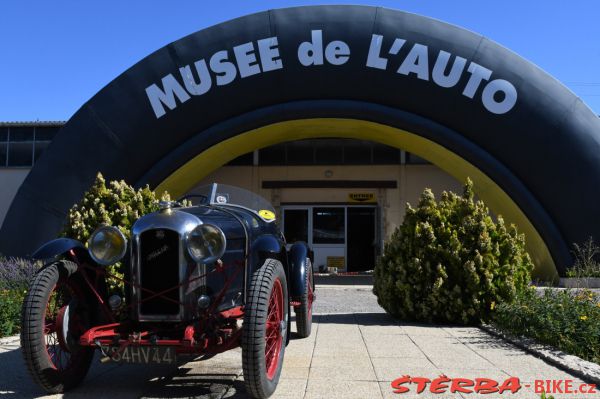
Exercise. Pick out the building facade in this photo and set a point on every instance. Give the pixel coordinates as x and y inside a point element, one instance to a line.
<point>342,196</point>
<point>21,145</point>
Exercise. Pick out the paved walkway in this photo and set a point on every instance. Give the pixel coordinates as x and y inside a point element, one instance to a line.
<point>355,351</point>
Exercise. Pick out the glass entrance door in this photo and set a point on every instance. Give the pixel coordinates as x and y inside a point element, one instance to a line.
<point>361,239</point>
<point>295,225</point>
<point>340,236</point>
<point>329,236</point>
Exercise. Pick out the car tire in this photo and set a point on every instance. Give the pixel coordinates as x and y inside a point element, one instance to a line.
<point>304,311</point>
<point>265,329</point>
<point>52,355</point>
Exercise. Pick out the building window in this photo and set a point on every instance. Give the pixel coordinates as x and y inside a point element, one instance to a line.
<point>21,146</point>
<point>242,160</point>
<point>416,160</point>
<point>329,151</point>
<point>272,156</point>
<point>329,225</point>
<point>3,153</point>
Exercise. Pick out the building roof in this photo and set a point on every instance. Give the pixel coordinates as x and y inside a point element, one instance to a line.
<point>33,124</point>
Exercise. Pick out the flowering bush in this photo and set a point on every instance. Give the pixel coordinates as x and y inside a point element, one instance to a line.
<point>117,204</point>
<point>450,262</point>
<point>14,279</point>
<point>567,319</point>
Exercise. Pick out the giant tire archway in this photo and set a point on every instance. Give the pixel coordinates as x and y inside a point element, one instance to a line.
<point>473,103</point>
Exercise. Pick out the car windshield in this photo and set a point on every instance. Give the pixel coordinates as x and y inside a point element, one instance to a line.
<point>223,194</point>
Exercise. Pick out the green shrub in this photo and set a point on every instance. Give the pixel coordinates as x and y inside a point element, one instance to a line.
<point>14,280</point>
<point>566,319</point>
<point>117,204</point>
<point>450,262</point>
<point>586,263</point>
<point>10,311</point>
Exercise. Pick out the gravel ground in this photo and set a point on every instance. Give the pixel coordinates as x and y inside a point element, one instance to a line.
<point>352,299</point>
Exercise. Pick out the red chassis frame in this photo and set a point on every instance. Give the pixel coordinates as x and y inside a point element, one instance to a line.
<point>211,333</point>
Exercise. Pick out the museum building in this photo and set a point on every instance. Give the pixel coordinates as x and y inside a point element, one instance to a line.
<point>342,196</point>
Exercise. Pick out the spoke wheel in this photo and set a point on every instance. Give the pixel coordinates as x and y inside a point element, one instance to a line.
<point>273,336</point>
<point>55,313</point>
<point>304,311</point>
<point>265,329</point>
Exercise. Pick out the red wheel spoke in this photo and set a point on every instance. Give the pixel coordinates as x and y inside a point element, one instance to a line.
<point>60,297</point>
<point>273,338</point>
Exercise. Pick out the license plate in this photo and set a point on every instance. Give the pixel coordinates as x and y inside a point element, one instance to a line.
<point>141,354</point>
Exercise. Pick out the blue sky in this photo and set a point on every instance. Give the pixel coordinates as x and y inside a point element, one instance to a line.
<point>57,54</point>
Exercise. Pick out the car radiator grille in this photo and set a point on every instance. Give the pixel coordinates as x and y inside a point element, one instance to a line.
<point>159,271</point>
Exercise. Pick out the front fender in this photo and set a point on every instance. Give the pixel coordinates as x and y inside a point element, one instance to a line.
<point>58,247</point>
<point>266,246</point>
<point>298,268</point>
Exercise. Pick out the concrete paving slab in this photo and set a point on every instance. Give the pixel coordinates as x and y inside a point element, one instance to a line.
<point>342,352</point>
<point>344,372</point>
<point>466,332</point>
<point>388,369</point>
<point>396,346</point>
<point>473,362</point>
<point>419,330</point>
<point>297,360</point>
<point>320,361</point>
<point>499,355</point>
<point>290,388</point>
<point>294,373</point>
<point>408,362</point>
<point>377,330</point>
<point>323,389</point>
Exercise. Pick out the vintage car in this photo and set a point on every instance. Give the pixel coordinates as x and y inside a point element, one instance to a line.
<point>199,280</point>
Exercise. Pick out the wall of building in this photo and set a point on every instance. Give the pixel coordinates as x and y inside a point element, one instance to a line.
<point>411,181</point>
<point>10,181</point>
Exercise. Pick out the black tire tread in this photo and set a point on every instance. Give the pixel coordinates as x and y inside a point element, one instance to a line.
<point>303,324</point>
<point>33,345</point>
<point>254,326</point>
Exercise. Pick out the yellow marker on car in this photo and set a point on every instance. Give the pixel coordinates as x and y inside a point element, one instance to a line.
<point>266,214</point>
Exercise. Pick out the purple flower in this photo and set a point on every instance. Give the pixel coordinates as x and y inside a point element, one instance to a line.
<point>15,273</point>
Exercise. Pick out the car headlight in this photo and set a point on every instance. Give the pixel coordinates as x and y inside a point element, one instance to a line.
<point>206,243</point>
<point>107,245</point>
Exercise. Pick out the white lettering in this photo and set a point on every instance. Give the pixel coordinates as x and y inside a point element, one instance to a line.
<point>269,54</point>
<point>145,353</point>
<point>115,354</point>
<point>196,89</point>
<point>246,59</point>
<point>490,92</point>
<point>224,69</point>
<point>478,74</point>
<point>337,52</point>
<point>439,70</point>
<point>155,355</point>
<point>136,357</point>
<point>498,96</point>
<point>159,97</point>
<point>167,357</point>
<point>417,61</point>
<point>311,53</point>
<point>373,59</point>
<point>396,46</point>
